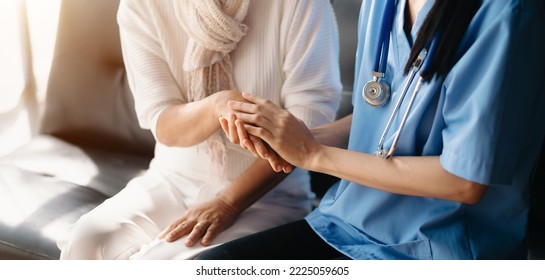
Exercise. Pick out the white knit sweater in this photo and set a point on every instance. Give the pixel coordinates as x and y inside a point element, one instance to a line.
<point>289,55</point>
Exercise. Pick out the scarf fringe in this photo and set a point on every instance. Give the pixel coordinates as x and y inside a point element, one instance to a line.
<point>215,28</point>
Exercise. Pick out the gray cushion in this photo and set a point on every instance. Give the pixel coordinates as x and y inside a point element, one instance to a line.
<point>47,185</point>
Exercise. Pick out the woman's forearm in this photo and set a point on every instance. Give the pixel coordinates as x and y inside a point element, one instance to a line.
<point>251,185</point>
<point>417,176</point>
<point>188,124</point>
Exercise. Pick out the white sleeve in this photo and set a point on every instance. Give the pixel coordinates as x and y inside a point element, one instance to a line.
<point>149,77</point>
<point>312,87</point>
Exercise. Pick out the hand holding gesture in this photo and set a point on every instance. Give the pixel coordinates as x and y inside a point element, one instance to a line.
<point>237,134</point>
<point>286,136</point>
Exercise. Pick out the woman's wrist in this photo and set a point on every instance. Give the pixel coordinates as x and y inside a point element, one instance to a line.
<point>219,102</point>
<point>231,203</point>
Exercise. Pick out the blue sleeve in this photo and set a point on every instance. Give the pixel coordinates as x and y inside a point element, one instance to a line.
<point>494,103</point>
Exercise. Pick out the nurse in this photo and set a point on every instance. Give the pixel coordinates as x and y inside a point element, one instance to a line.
<point>456,184</point>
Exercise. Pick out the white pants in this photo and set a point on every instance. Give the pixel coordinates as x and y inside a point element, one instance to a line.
<point>125,226</point>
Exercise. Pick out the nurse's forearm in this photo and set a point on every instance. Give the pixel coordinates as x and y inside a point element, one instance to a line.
<point>415,176</point>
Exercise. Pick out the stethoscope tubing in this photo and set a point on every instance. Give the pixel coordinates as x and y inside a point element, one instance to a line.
<point>381,152</point>
<point>381,55</point>
<point>408,82</point>
<point>420,64</point>
<point>405,117</point>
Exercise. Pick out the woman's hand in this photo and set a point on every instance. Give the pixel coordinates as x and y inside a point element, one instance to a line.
<point>202,222</point>
<point>220,99</point>
<point>283,132</point>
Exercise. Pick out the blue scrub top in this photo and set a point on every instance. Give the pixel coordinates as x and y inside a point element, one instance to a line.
<point>486,122</point>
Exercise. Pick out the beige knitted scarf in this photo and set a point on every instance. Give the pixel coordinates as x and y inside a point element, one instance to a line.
<point>215,28</point>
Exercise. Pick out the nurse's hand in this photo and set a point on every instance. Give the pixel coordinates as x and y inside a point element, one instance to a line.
<point>234,129</point>
<point>288,136</point>
<point>202,222</point>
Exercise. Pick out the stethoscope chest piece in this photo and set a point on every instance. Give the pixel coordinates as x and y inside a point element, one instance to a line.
<point>376,92</point>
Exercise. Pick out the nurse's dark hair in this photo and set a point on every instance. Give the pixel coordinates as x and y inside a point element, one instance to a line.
<point>450,18</point>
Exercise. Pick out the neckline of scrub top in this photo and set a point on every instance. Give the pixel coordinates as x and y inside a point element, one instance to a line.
<point>400,22</point>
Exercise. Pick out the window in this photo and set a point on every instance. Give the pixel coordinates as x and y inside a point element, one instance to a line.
<point>27,29</point>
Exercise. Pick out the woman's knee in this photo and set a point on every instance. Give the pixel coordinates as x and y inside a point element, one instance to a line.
<point>83,239</point>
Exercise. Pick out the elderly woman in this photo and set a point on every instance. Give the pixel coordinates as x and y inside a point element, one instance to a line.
<point>185,59</point>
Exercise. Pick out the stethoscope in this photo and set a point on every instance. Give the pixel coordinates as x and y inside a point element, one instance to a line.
<point>376,92</point>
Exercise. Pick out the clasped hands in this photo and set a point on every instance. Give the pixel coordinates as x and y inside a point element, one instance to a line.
<point>269,132</point>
